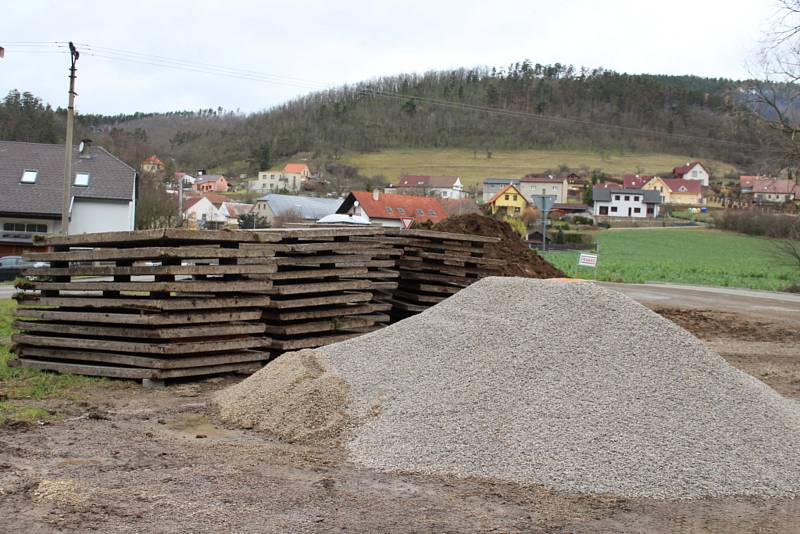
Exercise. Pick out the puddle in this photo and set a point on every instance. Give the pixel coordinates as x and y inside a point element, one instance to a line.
<point>196,425</point>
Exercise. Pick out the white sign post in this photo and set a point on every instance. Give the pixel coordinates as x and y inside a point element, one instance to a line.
<point>587,260</point>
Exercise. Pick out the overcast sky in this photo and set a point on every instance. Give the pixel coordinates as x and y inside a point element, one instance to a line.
<point>326,43</point>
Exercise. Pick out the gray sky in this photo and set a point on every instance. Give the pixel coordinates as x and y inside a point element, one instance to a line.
<point>329,43</point>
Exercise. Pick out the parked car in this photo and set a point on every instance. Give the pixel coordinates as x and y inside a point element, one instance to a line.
<point>12,266</point>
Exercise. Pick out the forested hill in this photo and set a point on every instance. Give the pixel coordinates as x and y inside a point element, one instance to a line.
<point>523,106</point>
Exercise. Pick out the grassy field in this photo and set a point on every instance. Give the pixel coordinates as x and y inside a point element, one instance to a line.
<point>22,390</point>
<point>459,162</point>
<point>690,256</point>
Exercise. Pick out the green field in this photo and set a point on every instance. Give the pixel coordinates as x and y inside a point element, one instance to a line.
<point>687,256</point>
<point>23,390</point>
<point>512,163</point>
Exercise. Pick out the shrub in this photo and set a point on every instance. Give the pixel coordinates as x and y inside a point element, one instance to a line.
<point>759,223</point>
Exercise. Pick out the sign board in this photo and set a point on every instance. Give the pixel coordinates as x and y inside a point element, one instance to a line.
<point>587,260</point>
<point>544,203</point>
<point>407,222</point>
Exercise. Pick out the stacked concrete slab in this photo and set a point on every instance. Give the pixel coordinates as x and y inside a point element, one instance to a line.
<point>324,285</point>
<point>152,304</point>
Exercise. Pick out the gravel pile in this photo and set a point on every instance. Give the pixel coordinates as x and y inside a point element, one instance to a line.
<point>568,385</point>
<point>295,399</point>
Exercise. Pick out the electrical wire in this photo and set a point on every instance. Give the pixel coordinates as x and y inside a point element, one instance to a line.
<point>361,89</point>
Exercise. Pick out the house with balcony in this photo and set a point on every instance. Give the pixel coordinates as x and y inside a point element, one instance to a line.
<point>102,192</point>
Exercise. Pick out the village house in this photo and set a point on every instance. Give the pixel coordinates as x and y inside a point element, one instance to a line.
<point>307,208</point>
<point>439,186</point>
<point>531,186</point>
<point>508,201</point>
<point>211,182</point>
<point>291,179</point>
<point>676,190</point>
<point>203,212</point>
<point>773,191</point>
<point>747,183</point>
<point>103,192</point>
<point>233,210</point>
<point>492,186</point>
<point>634,181</point>
<point>693,170</point>
<point>390,210</point>
<point>636,203</point>
<point>152,165</point>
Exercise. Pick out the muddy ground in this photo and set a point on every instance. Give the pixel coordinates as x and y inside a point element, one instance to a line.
<point>127,459</point>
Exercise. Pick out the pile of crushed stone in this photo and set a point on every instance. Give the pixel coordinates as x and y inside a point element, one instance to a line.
<point>520,260</point>
<point>296,398</point>
<point>562,384</point>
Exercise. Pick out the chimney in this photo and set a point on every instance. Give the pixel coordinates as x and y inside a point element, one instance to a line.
<point>376,194</point>
<point>85,148</point>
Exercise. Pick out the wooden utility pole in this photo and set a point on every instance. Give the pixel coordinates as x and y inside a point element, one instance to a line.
<point>74,55</point>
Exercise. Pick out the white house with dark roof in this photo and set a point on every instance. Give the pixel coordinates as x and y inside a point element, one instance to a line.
<point>102,196</point>
<point>635,203</point>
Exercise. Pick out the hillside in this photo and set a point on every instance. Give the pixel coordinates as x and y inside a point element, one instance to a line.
<point>474,167</point>
<point>525,106</point>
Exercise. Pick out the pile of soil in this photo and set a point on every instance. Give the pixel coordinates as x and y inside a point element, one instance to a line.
<point>520,260</point>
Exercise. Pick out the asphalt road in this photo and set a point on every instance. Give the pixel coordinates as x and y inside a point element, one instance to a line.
<point>768,304</point>
<point>6,290</point>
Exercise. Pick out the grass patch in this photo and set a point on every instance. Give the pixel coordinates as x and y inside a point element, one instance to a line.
<point>512,163</point>
<point>692,256</point>
<point>21,388</point>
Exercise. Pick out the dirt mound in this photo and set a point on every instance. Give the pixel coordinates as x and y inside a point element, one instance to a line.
<point>520,260</point>
<point>295,398</point>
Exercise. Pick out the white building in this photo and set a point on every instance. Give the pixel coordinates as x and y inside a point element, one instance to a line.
<point>694,170</point>
<point>291,179</point>
<point>203,212</point>
<point>636,203</point>
<point>102,193</point>
<point>307,208</point>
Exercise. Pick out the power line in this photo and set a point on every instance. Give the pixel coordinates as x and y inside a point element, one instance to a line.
<point>114,54</point>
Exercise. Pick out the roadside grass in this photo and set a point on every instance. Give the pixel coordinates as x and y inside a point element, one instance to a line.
<point>697,256</point>
<point>511,163</point>
<point>22,390</point>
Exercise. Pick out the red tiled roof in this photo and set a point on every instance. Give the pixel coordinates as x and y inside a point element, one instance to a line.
<point>683,169</point>
<point>676,184</point>
<point>506,188</point>
<point>214,198</point>
<point>426,181</point>
<point>607,185</point>
<point>634,181</point>
<point>774,186</point>
<point>750,181</point>
<point>295,168</point>
<point>153,159</point>
<point>432,209</point>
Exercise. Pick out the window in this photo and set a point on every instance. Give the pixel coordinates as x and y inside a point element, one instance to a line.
<point>616,197</point>
<point>627,197</point>
<point>515,197</point>
<point>29,176</point>
<point>636,199</point>
<point>613,209</point>
<point>507,197</point>
<point>432,213</point>
<point>420,212</point>
<point>637,210</point>
<point>81,179</point>
<point>23,227</point>
<point>389,209</point>
<point>694,174</point>
<point>603,210</point>
<point>401,210</point>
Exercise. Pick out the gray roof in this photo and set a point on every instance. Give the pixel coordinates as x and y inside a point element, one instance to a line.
<point>203,178</point>
<point>651,196</point>
<point>308,207</point>
<point>110,178</point>
<point>501,181</point>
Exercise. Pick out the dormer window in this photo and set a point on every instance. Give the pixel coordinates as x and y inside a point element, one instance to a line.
<point>81,179</point>
<point>29,176</point>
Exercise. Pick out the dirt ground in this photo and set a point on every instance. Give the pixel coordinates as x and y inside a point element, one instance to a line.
<point>128,459</point>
